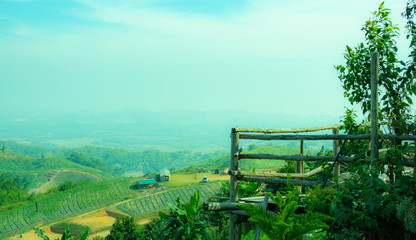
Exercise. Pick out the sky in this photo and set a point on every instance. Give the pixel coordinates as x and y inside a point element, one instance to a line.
<point>252,55</point>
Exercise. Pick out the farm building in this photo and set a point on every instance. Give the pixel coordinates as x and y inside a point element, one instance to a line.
<point>143,183</point>
<point>164,175</point>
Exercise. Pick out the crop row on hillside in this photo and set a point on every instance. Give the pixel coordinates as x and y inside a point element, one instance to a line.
<point>161,201</point>
<point>64,204</point>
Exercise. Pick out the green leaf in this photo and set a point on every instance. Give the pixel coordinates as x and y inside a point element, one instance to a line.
<point>39,232</point>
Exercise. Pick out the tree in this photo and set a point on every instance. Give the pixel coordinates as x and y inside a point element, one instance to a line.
<point>366,205</point>
<point>124,229</point>
<point>396,77</point>
<point>185,220</point>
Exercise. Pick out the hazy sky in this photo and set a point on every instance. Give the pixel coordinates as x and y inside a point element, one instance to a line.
<point>98,55</point>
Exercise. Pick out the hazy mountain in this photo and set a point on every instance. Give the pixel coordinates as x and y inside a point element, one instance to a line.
<point>139,130</point>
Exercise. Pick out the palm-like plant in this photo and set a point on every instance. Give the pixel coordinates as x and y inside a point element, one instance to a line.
<point>285,224</point>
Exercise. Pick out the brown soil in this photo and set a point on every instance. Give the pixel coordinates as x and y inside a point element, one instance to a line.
<point>96,221</point>
<point>31,235</point>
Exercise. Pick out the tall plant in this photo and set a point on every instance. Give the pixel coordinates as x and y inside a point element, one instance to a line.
<point>284,224</point>
<point>396,77</point>
<point>184,220</point>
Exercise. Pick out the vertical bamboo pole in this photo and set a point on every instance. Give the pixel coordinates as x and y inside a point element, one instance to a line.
<point>374,105</point>
<point>300,167</point>
<point>235,228</point>
<point>335,149</point>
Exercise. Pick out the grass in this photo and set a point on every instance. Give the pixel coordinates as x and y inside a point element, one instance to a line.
<point>74,228</point>
<point>73,176</point>
<point>181,179</point>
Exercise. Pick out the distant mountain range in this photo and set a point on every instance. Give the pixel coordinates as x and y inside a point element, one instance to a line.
<point>141,130</point>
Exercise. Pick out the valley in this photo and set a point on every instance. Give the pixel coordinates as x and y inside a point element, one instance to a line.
<point>83,187</point>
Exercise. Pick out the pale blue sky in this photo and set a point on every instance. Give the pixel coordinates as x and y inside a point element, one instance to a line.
<point>254,55</point>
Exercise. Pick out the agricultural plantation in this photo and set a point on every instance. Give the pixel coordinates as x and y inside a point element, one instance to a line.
<point>162,200</point>
<point>64,204</point>
<point>90,197</point>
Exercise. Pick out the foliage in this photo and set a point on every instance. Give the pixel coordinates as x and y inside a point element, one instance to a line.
<point>124,229</point>
<point>152,230</point>
<point>113,160</point>
<point>396,78</point>
<point>84,160</point>
<point>285,224</point>
<point>377,193</point>
<point>66,236</point>
<point>34,171</point>
<point>184,220</point>
<point>11,191</point>
<point>224,160</point>
<point>406,211</point>
<point>364,206</point>
<point>75,229</point>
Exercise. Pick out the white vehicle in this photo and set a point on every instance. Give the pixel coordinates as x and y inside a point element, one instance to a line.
<point>205,179</point>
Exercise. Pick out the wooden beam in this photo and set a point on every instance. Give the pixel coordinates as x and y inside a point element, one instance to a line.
<point>335,149</point>
<point>303,137</point>
<point>325,137</point>
<point>264,207</point>
<point>235,227</point>
<point>287,130</point>
<point>279,180</point>
<point>294,157</point>
<point>215,206</point>
<point>374,106</point>
<point>275,175</point>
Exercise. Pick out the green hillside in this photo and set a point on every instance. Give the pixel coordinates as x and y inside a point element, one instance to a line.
<point>248,164</point>
<point>114,159</point>
<point>87,198</point>
<point>36,171</point>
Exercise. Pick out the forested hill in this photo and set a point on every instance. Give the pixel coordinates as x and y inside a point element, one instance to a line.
<point>120,160</point>
<point>248,164</point>
<point>35,171</point>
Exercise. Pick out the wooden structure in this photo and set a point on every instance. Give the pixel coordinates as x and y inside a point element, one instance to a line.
<point>145,183</point>
<point>164,175</point>
<point>300,176</point>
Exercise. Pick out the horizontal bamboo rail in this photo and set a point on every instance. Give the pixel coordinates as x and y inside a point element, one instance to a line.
<point>324,137</point>
<point>287,130</point>
<point>215,206</point>
<point>276,175</point>
<point>278,180</point>
<point>304,137</point>
<point>294,157</point>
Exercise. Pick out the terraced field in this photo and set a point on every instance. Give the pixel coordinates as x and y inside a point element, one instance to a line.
<point>157,202</point>
<point>64,204</point>
<point>91,197</point>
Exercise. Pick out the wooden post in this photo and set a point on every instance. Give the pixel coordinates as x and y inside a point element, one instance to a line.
<point>235,227</point>
<point>335,149</point>
<point>264,206</point>
<point>374,106</point>
<point>300,168</point>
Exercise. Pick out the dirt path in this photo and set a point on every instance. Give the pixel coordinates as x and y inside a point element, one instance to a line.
<point>86,173</point>
<point>48,185</point>
<point>44,187</point>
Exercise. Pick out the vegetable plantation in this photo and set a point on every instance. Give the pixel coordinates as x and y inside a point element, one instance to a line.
<point>64,204</point>
<point>157,202</point>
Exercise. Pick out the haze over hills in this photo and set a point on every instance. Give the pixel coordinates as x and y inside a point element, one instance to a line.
<point>141,130</point>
